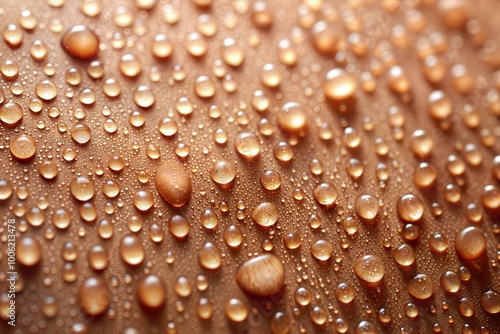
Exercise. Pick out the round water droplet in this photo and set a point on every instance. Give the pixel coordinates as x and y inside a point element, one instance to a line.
<point>263,275</point>
<point>325,194</point>
<point>247,145</point>
<point>23,147</point>
<point>81,133</point>
<point>11,114</point>
<point>80,42</point>
<point>265,214</point>
<point>470,243</point>
<point>370,269</point>
<point>151,292</point>
<point>223,173</point>
<point>82,188</point>
<point>421,287</point>
<point>179,227</point>
<point>410,208</point>
<point>94,296</point>
<point>143,200</point>
<point>450,282</point>
<point>6,189</point>
<point>339,84</point>
<point>490,302</point>
<point>404,255</point>
<point>322,250</point>
<point>236,310</point>
<point>231,52</point>
<point>367,207</point>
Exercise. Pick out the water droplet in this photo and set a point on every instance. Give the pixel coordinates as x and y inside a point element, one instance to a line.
<point>490,302</point>
<point>144,97</point>
<point>81,133</point>
<point>231,52</point>
<point>223,173</point>
<point>11,114</point>
<point>470,243</point>
<point>94,296</point>
<point>143,200</point>
<point>80,42</point>
<point>131,250</point>
<point>179,227</point>
<point>247,145</point>
<point>210,257</point>
<point>370,269</point>
<point>236,310</point>
<point>82,188</point>
<point>173,183</point>
<point>322,250</point>
<point>263,275</point>
<point>326,38</point>
<point>265,214</point>
<point>28,251</point>
<point>344,293</point>
<point>410,208</point>
<point>339,84</point>
<point>450,282</point>
<point>367,207</point>
<point>404,255</point>
<point>325,194</point>
<point>233,236</point>
<point>151,292</point>
<point>292,118</point>
<point>421,287</point>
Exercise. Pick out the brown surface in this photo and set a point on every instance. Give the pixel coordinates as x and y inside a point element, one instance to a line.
<point>301,83</point>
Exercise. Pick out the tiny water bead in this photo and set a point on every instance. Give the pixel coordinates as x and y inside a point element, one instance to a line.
<point>23,147</point>
<point>80,42</point>
<point>369,268</point>
<point>263,275</point>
